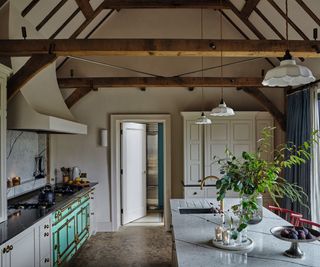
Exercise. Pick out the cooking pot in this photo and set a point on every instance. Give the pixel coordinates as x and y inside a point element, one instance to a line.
<point>47,195</point>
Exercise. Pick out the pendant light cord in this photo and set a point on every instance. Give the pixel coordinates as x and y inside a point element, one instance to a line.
<point>221,60</point>
<point>287,26</point>
<point>202,94</point>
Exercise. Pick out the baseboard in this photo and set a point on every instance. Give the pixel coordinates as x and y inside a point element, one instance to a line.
<point>103,227</point>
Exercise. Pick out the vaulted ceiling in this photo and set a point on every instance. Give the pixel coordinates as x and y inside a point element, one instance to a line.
<point>145,19</point>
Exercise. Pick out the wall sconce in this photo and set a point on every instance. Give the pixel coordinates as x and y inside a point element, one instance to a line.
<point>104,137</point>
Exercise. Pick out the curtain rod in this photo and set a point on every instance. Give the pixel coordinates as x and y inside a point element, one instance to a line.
<point>303,87</point>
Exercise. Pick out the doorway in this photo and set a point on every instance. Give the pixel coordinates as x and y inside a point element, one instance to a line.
<point>142,174</point>
<point>158,169</point>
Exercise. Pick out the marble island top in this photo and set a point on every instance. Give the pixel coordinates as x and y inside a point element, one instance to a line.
<point>193,234</point>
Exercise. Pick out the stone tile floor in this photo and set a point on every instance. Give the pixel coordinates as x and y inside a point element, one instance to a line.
<point>140,246</point>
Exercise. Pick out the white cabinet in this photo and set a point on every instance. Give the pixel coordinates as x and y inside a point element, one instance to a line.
<point>21,250</point>
<point>44,241</point>
<point>4,74</point>
<point>204,144</point>
<point>92,201</point>
<point>30,248</point>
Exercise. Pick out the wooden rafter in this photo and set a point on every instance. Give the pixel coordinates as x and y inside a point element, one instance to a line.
<point>309,11</point>
<point>76,95</point>
<point>247,22</point>
<point>33,66</point>
<point>158,47</point>
<point>267,104</point>
<point>105,82</point>
<point>2,2</point>
<point>87,22</point>
<point>293,25</point>
<point>249,7</point>
<point>85,7</point>
<point>242,32</point>
<point>124,4</point>
<point>29,7</point>
<point>51,14</point>
<point>76,12</point>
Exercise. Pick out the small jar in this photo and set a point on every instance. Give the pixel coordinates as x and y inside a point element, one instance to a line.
<point>218,233</point>
<point>226,235</point>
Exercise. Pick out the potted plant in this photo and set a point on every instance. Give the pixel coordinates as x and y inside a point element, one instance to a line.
<point>252,174</point>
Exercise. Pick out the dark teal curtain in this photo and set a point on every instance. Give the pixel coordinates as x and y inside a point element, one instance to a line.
<point>298,131</point>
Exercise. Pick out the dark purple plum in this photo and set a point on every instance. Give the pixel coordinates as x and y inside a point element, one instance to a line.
<point>294,231</point>
<point>285,233</point>
<point>309,236</point>
<point>292,235</point>
<point>302,235</point>
<point>306,231</point>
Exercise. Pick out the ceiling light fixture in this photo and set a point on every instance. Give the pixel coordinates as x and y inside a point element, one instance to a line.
<point>222,109</point>
<point>203,119</point>
<point>288,73</point>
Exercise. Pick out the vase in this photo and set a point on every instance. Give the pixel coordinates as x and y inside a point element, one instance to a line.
<point>258,214</point>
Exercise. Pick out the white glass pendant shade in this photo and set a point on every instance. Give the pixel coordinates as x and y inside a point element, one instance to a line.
<point>203,119</point>
<point>288,74</point>
<point>222,110</point>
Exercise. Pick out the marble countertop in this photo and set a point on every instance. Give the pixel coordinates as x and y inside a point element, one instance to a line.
<point>26,218</point>
<point>193,234</point>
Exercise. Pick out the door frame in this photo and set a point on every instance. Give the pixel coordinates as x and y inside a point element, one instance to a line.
<point>115,192</point>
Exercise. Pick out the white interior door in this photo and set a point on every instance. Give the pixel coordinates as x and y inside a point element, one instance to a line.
<point>133,159</point>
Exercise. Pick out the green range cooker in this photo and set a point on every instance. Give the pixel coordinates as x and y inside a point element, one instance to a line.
<point>70,229</point>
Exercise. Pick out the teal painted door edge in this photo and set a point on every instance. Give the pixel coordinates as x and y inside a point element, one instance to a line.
<point>160,165</point>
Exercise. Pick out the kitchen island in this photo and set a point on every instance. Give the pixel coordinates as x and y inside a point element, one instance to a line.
<point>193,233</point>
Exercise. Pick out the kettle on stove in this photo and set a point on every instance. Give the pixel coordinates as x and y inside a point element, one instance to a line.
<point>76,172</point>
<point>47,196</point>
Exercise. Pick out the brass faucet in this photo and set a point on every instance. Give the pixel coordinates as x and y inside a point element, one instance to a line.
<point>202,182</point>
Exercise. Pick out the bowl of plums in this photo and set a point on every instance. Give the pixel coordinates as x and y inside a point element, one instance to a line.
<point>295,235</point>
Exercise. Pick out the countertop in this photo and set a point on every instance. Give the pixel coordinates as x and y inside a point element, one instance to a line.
<point>193,234</point>
<point>26,218</point>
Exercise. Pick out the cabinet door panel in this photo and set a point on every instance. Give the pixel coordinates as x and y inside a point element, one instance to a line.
<point>242,136</point>
<point>217,137</point>
<point>193,152</point>
<point>23,251</point>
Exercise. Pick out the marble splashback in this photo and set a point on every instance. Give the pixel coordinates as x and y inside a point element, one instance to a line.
<point>22,148</point>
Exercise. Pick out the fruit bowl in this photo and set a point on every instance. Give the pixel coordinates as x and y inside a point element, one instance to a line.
<point>294,251</point>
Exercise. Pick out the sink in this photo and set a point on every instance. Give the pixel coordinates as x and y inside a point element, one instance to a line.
<point>196,210</point>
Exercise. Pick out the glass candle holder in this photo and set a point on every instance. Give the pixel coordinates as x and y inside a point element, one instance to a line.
<point>218,233</point>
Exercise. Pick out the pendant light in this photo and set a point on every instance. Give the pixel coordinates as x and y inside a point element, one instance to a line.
<point>221,109</point>
<point>203,119</point>
<point>288,73</point>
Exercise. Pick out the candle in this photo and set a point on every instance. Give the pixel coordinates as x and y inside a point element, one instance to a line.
<point>218,232</point>
<point>226,237</point>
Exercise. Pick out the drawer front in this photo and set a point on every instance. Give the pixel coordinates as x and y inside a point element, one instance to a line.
<point>194,192</point>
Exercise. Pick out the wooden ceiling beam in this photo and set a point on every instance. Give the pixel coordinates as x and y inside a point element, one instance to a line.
<point>85,7</point>
<point>249,7</point>
<point>267,104</point>
<point>51,14</point>
<point>29,7</point>
<point>247,22</point>
<point>76,95</point>
<point>293,25</point>
<point>87,22</point>
<point>31,68</point>
<point>106,82</point>
<point>309,11</point>
<point>158,47</point>
<point>125,4</point>
<point>64,24</point>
